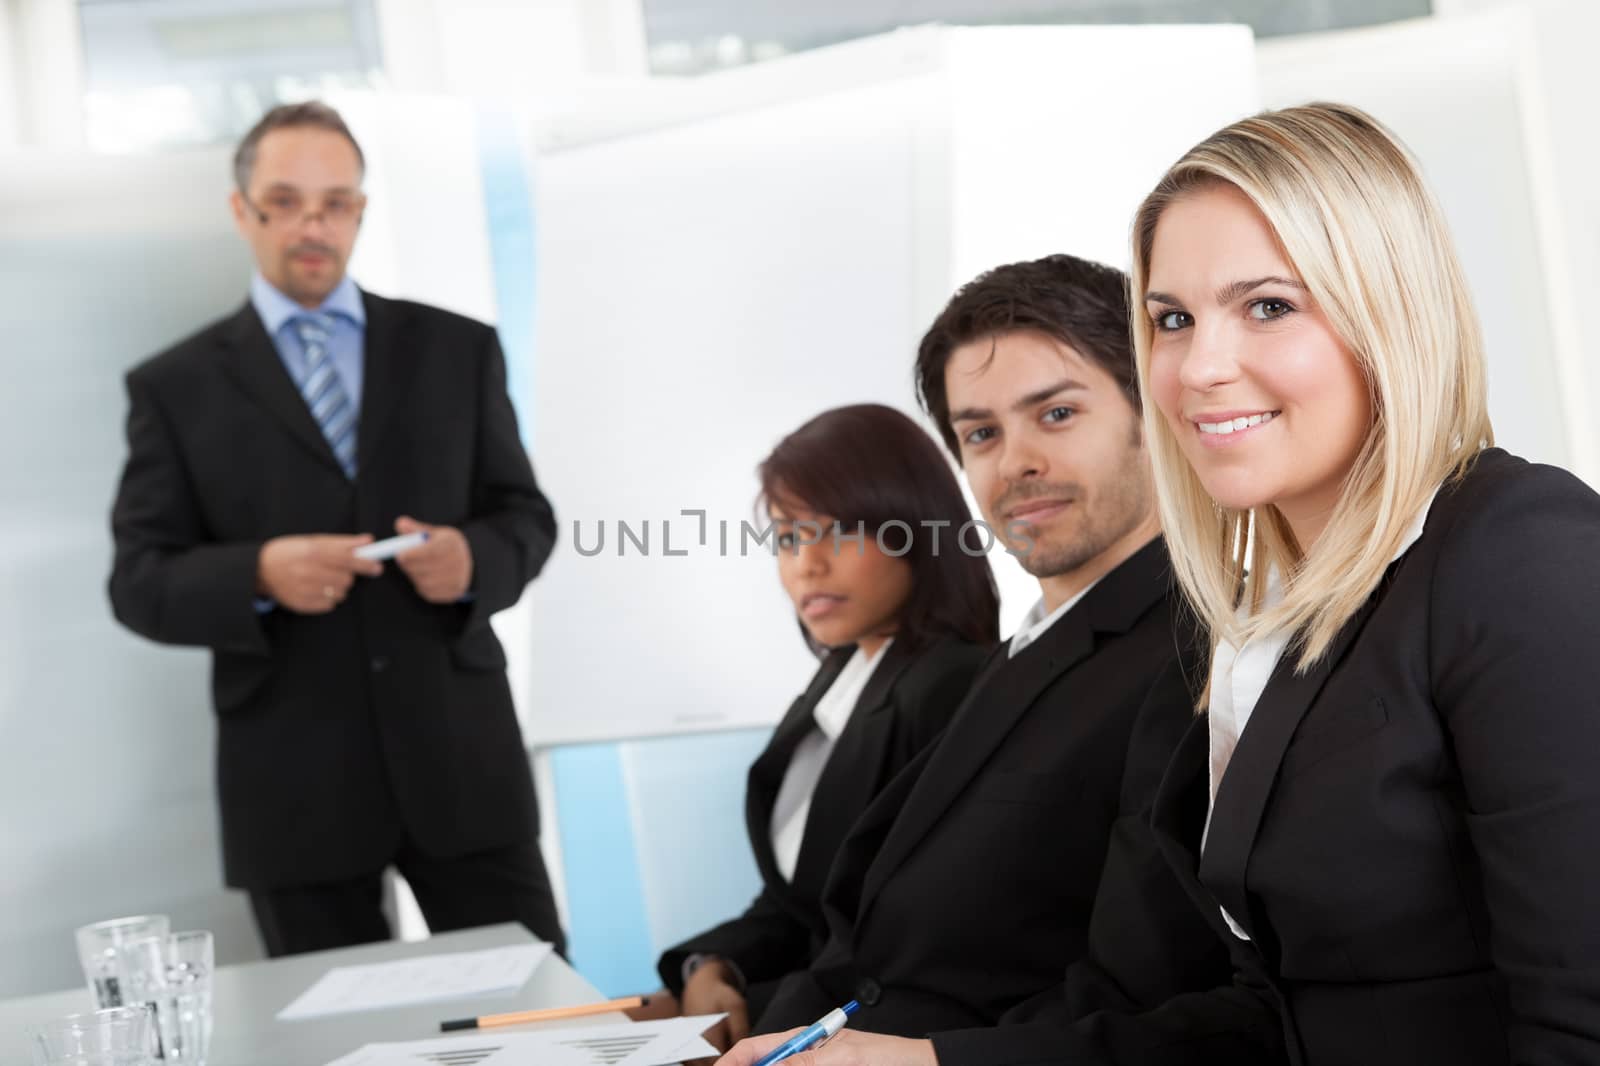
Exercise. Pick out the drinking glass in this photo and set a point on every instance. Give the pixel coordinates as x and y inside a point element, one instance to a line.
<point>120,1036</point>
<point>191,958</point>
<point>99,948</point>
<point>173,975</point>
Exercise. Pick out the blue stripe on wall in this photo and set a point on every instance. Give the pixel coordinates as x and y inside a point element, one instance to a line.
<point>694,828</point>
<point>607,925</point>
<point>508,202</point>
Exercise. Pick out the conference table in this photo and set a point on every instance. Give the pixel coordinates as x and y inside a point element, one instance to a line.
<point>249,996</point>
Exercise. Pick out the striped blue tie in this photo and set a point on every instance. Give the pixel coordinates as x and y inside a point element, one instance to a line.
<point>323,392</point>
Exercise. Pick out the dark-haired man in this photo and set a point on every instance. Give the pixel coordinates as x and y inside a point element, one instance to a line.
<point>966,890</point>
<point>364,719</point>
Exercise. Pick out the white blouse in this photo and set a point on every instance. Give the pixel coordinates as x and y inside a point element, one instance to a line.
<point>831,714</point>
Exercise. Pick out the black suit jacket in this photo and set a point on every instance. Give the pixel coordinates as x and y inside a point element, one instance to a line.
<point>1149,939</point>
<point>905,704</point>
<point>337,733</point>
<point>1407,831</point>
<point>966,889</point>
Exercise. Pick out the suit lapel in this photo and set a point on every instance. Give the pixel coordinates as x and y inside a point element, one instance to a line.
<point>852,773</point>
<point>766,773</point>
<point>1003,695</point>
<point>253,362</point>
<point>1247,783</point>
<point>1178,817</point>
<point>387,364</point>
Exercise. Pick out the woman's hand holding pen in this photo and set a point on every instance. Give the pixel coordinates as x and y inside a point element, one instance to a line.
<point>850,1048</point>
<point>712,989</point>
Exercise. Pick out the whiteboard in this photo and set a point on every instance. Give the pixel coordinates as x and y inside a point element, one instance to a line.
<point>702,291</point>
<point>706,286</point>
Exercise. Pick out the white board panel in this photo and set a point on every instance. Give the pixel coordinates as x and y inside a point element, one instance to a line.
<point>707,286</point>
<point>702,291</point>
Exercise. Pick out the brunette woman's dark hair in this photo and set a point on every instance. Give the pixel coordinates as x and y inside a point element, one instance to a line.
<point>868,467</point>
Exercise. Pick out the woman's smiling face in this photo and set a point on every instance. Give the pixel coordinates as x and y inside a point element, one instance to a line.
<point>1267,403</point>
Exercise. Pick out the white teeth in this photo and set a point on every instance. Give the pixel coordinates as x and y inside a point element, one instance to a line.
<point>1233,425</point>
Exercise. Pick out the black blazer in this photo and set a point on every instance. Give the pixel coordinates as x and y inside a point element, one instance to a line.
<point>966,890</point>
<point>1407,831</point>
<point>1149,942</point>
<point>337,733</point>
<point>907,701</point>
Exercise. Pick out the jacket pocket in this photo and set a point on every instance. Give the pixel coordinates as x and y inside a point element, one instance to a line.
<point>1336,730</point>
<point>238,680</point>
<point>478,649</point>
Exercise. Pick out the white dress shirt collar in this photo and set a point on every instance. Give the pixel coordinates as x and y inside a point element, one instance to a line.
<point>1036,622</point>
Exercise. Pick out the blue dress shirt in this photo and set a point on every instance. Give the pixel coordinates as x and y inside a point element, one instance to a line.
<point>344,344</point>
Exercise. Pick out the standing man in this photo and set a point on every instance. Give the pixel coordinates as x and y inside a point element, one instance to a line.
<point>364,718</point>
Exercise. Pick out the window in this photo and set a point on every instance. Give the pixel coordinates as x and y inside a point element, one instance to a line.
<point>165,73</point>
<point>691,36</point>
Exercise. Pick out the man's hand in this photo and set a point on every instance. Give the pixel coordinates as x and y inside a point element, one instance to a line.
<point>441,570</point>
<point>712,990</point>
<point>312,573</point>
<point>849,1048</point>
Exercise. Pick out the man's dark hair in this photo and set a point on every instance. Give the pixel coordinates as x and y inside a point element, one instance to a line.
<point>1083,305</point>
<point>288,116</point>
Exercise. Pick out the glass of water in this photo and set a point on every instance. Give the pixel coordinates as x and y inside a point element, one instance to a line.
<point>120,1036</point>
<point>191,958</point>
<point>173,975</point>
<point>100,947</point>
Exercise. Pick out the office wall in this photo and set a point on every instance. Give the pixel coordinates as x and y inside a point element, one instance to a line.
<point>106,801</point>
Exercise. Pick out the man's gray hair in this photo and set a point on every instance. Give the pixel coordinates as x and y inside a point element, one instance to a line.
<point>288,116</point>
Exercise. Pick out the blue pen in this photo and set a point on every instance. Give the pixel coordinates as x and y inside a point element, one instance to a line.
<point>812,1035</point>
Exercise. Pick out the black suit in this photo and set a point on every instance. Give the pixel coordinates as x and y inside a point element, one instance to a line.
<point>906,703</point>
<point>965,890</point>
<point>1407,831</point>
<point>1149,942</point>
<point>385,725</point>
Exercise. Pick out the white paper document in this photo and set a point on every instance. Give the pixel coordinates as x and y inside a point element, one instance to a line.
<point>659,1043</point>
<point>410,982</point>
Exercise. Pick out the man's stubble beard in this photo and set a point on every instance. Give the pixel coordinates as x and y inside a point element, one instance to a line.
<point>1120,504</point>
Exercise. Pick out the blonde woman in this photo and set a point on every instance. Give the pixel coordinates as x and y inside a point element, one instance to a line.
<point>1389,807</point>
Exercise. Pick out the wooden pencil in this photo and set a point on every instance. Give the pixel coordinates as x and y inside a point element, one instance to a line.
<point>551,1014</point>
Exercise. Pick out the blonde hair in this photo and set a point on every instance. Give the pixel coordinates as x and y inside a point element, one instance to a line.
<point>1351,212</point>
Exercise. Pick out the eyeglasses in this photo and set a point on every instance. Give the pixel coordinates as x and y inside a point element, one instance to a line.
<point>282,208</point>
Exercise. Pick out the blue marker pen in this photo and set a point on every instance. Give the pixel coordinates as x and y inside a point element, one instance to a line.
<point>812,1035</point>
